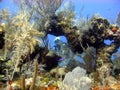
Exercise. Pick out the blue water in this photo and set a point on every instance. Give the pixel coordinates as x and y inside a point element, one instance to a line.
<point>107,8</point>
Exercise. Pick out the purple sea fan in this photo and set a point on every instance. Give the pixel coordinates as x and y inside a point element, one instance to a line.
<point>61,59</point>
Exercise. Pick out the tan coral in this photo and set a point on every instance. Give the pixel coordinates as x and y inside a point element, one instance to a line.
<point>115,87</point>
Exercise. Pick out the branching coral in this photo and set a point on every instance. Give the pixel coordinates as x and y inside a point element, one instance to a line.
<point>35,75</point>
<point>43,10</point>
<point>4,15</point>
<point>20,37</point>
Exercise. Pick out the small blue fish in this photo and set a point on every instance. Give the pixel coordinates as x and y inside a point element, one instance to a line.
<point>61,59</point>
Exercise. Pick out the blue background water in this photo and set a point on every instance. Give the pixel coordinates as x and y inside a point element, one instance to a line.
<point>106,8</point>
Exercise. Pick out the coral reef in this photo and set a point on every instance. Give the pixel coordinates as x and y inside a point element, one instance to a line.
<point>83,63</point>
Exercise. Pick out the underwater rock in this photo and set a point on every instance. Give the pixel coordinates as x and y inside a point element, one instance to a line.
<point>48,58</point>
<point>104,53</point>
<point>51,60</point>
<point>95,35</point>
<point>54,27</point>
